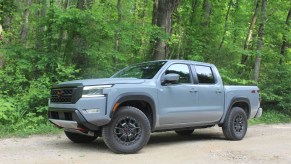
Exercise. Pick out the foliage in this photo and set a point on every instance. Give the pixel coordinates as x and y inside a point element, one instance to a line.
<point>25,88</point>
<point>59,42</point>
<point>271,117</point>
<point>276,90</point>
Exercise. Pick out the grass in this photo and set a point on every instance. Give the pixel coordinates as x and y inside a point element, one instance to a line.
<point>271,117</point>
<point>43,129</point>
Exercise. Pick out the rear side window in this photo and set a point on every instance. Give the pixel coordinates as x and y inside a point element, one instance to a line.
<point>205,75</point>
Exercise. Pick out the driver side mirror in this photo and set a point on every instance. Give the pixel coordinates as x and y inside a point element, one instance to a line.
<point>171,78</point>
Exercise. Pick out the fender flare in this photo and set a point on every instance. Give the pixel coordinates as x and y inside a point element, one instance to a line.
<point>136,96</point>
<point>232,102</point>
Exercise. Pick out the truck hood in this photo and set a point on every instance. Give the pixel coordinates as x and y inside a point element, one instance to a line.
<point>104,81</point>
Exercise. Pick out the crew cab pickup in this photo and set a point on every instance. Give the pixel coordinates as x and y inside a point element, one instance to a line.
<point>149,97</point>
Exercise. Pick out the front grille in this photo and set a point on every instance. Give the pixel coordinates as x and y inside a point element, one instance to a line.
<point>62,95</point>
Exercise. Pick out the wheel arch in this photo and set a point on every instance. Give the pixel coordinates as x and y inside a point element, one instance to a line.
<point>241,102</point>
<point>143,102</point>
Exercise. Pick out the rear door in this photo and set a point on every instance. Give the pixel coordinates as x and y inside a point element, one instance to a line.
<point>210,94</point>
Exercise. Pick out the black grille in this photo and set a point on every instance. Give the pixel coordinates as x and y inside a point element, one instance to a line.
<point>61,115</point>
<point>68,116</point>
<point>62,95</point>
<point>54,115</point>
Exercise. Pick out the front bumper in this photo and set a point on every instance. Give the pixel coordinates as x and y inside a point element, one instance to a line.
<point>65,124</point>
<point>74,116</point>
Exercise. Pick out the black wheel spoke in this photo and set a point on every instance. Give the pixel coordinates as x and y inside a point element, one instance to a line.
<point>127,131</point>
<point>123,137</point>
<point>238,123</point>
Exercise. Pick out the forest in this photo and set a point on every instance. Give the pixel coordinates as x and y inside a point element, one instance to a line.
<point>44,42</point>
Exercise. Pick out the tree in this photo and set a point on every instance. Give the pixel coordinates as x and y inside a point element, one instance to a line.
<point>225,30</point>
<point>260,40</point>
<point>1,29</point>
<point>40,14</point>
<point>284,40</point>
<point>25,27</point>
<point>117,31</point>
<point>244,57</point>
<point>165,9</point>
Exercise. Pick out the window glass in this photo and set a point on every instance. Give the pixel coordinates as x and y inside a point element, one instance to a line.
<point>141,71</point>
<point>205,75</point>
<point>182,70</point>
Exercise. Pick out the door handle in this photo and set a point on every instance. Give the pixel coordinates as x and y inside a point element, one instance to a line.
<point>218,91</point>
<point>193,90</point>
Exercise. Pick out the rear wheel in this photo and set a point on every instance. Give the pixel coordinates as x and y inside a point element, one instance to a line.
<point>184,132</point>
<point>236,124</point>
<point>79,138</point>
<point>128,131</point>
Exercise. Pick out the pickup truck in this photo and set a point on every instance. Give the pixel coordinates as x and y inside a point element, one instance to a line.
<point>150,97</point>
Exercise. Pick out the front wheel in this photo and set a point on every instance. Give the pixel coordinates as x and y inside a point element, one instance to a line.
<point>128,131</point>
<point>236,124</point>
<point>79,138</point>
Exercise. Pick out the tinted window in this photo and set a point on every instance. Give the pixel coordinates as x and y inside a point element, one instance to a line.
<point>182,70</point>
<point>205,75</point>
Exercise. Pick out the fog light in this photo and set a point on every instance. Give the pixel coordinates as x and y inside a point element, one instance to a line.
<point>92,110</point>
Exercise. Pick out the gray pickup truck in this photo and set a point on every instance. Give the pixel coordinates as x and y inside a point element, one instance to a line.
<point>149,97</point>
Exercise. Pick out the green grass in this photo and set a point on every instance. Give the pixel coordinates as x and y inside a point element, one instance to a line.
<point>271,117</point>
<point>43,129</point>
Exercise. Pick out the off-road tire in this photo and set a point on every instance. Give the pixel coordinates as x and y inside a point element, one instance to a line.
<point>236,124</point>
<point>128,131</point>
<point>79,138</point>
<point>184,132</point>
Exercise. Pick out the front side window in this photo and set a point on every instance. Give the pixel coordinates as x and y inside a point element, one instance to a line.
<point>182,70</point>
<point>141,71</point>
<point>205,75</point>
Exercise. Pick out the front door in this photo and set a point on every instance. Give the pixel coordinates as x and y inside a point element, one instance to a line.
<point>177,102</point>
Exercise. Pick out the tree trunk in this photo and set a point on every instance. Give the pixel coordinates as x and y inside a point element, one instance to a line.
<point>155,12</point>
<point>25,27</point>
<point>244,57</point>
<point>143,43</point>
<point>79,57</point>
<point>1,57</point>
<point>117,31</point>
<point>1,29</point>
<point>7,23</point>
<point>194,4</point>
<point>39,42</point>
<point>225,30</point>
<point>164,21</point>
<point>284,42</point>
<point>50,27</point>
<point>206,13</point>
<point>188,42</point>
<point>61,33</point>
<point>81,4</point>
<point>260,40</point>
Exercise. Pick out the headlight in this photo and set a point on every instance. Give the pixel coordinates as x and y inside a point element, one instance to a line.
<point>94,91</point>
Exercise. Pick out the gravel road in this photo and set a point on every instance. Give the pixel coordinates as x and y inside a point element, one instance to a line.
<point>262,144</point>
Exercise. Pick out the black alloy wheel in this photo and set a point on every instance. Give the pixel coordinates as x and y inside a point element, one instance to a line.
<point>128,131</point>
<point>235,124</point>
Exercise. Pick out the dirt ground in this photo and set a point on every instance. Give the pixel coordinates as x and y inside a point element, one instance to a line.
<point>262,144</point>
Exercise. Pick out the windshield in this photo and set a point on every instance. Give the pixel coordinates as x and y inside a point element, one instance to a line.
<point>141,71</point>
